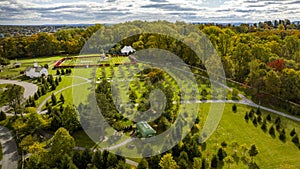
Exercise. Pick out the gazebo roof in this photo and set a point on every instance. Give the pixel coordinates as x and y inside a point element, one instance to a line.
<point>145,129</point>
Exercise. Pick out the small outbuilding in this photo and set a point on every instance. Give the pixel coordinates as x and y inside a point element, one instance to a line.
<point>144,129</point>
<point>17,65</point>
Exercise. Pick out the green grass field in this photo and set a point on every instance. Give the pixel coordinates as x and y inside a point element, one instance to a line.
<point>3,97</point>
<point>10,72</point>
<point>272,151</point>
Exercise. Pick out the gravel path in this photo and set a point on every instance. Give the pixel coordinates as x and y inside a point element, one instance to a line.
<point>9,149</point>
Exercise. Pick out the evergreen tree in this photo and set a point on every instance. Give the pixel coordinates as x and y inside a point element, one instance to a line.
<point>56,81</point>
<point>234,108</point>
<point>272,131</point>
<point>246,117</point>
<point>278,120</point>
<point>254,121</point>
<point>293,132</point>
<point>258,112</point>
<point>269,118</point>
<point>214,162</point>
<point>61,98</point>
<point>43,90</point>
<point>59,79</point>
<point>224,144</point>
<point>62,72</point>
<point>61,108</point>
<point>77,159</point>
<point>57,72</point>
<point>97,159</point>
<point>49,109</point>
<point>39,92</point>
<point>295,139</point>
<point>203,164</point>
<point>221,154</point>
<point>33,103</point>
<point>251,114</point>
<point>278,126</point>
<point>253,151</point>
<point>259,119</point>
<point>36,96</point>
<point>53,99</point>
<point>86,157</point>
<point>53,87</point>
<point>282,136</point>
<point>264,126</point>
<point>2,116</point>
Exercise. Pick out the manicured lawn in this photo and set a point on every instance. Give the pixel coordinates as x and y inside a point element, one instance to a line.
<point>9,71</point>
<point>66,81</point>
<point>272,151</point>
<point>83,140</point>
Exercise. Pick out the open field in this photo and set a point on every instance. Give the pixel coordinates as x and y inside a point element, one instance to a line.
<point>272,151</point>
<point>9,71</point>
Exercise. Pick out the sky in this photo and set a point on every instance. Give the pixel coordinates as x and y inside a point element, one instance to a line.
<point>28,12</point>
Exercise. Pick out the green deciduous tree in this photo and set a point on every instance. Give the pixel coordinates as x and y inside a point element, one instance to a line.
<point>15,98</point>
<point>69,119</point>
<point>167,162</point>
<point>61,143</point>
<point>143,164</point>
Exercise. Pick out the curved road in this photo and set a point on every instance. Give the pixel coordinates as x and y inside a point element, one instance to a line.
<point>9,149</point>
<point>29,88</point>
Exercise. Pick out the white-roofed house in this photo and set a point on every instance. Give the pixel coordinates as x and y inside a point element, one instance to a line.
<point>36,71</point>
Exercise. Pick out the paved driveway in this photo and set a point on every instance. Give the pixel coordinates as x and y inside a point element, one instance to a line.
<point>29,88</point>
<point>9,149</point>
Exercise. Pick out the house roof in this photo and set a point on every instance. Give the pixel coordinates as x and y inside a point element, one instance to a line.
<point>127,49</point>
<point>145,129</point>
<point>36,69</point>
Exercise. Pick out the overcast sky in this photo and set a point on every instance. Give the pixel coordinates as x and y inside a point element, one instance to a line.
<point>115,11</point>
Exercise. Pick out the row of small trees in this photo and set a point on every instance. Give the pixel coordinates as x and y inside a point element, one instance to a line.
<point>168,161</point>
<point>63,72</point>
<point>257,119</point>
<point>46,85</point>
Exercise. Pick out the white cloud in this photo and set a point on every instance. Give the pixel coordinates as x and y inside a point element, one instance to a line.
<point>110,11</point>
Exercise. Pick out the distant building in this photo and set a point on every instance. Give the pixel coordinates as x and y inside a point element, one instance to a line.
<point>17,65</point>
<point>36,71</point>
<point>127,50</point>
